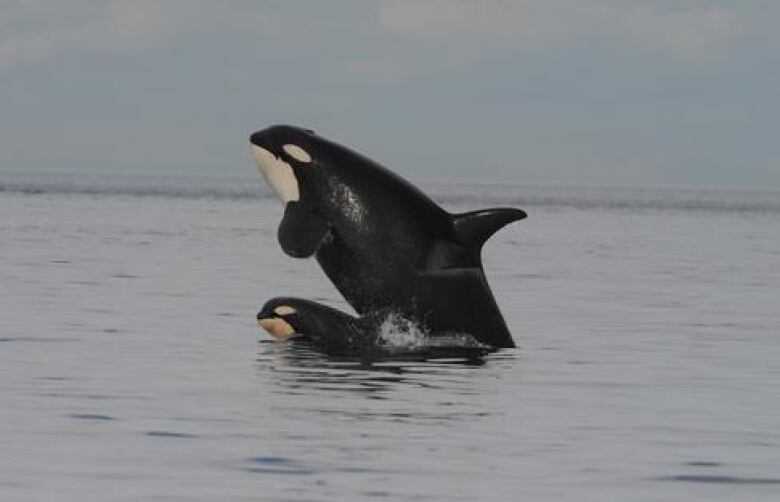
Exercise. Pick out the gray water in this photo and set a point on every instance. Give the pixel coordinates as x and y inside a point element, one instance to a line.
<point>131,366</point>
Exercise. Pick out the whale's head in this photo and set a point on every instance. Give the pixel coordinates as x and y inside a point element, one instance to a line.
<point>321,184</point>
<point>292,161</point>
<point>283,154</point>
<point>332,193</point>
<point>279,319</point>
<point>287,317</point>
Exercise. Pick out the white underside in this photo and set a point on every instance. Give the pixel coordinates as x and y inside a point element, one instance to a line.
<point>277,173</point>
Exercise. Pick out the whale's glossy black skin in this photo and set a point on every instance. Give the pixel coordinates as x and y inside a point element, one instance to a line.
<point>327,327</point>
<point>340,334</point>
<point>386,245</point>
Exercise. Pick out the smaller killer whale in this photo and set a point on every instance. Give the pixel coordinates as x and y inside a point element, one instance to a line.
<point>289,318</point>
<point>286,318</point>
<point>384,244</point>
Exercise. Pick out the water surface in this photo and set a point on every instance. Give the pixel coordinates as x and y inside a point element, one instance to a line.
<point>131,367</point>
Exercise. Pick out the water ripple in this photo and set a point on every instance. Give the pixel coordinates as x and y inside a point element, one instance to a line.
<point>719,479</point>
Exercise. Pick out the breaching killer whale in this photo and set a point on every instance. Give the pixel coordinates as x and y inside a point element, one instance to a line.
<point>384,244</point>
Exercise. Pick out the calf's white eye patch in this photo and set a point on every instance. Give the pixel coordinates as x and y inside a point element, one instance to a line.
<point>284,310</point>
<point>297,153</point>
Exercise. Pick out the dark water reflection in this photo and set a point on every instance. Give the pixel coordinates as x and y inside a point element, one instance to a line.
<point>300,365</point>
<point>302,354</point>
<point>431,387</point>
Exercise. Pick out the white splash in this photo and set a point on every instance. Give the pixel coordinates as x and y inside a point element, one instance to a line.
<point>398,332</point>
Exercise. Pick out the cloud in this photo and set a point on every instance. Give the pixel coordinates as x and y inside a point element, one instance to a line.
<point>691,31</point>
<point>380,42</point>
<point>35,30</point>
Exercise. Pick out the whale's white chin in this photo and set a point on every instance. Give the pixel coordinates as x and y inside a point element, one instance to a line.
<point>277,173</point>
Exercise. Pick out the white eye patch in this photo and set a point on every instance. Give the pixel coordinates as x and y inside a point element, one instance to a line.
<point>297,153</point>
<point>284,310</point>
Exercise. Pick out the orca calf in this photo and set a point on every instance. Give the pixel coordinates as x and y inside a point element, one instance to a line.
<point>385,245</point>
<point>285,318</point>
<point>335,332</point>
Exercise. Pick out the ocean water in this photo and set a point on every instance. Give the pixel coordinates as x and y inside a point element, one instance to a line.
<point>131,366</point>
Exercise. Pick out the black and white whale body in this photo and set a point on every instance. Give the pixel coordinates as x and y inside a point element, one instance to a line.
<point>287,318</point>
<point>384,244</point>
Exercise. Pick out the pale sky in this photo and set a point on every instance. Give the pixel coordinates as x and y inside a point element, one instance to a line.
<point>563,91</point>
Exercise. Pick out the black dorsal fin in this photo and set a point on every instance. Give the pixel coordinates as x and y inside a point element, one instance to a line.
<point>476,227</point>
